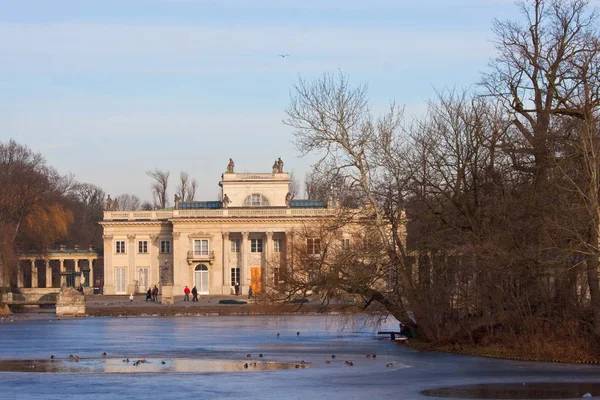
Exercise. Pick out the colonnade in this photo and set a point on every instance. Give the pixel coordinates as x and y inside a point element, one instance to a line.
<point>62,258</point>
<point>245,251</point>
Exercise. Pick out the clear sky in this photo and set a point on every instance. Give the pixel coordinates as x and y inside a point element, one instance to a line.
<point>107,89</point>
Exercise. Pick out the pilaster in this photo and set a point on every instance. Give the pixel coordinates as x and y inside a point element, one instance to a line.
<point>131,272</point>
<point>225,267</point>
<point>266,278</point>
<point>244,273</point>
<point>181,269</point>
<point>109,269</point>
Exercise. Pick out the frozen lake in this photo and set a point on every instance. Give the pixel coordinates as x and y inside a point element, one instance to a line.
<point>204,358</point>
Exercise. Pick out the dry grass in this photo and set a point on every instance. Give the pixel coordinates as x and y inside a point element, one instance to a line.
<point>562,344</point>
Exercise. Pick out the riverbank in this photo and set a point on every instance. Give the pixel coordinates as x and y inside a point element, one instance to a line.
<point>161,310</point>
<point>540,349</point>
<point>122,306</point>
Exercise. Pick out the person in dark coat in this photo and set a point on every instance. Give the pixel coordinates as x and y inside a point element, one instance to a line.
<point>237,288</point>
<point>155,293</point>
<point>149,295</point>
<point>195,294</point>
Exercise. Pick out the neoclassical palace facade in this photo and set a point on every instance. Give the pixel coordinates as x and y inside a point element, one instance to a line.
<point>210,244</point>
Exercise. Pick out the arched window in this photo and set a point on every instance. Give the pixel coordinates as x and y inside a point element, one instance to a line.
<point>256,200</point>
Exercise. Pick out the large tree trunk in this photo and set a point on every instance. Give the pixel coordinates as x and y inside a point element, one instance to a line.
<point>592,275</point>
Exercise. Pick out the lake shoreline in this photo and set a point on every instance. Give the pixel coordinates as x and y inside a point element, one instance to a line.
<point>162,310</point>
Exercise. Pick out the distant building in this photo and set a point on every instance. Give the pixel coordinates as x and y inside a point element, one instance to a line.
<point>208,244</point>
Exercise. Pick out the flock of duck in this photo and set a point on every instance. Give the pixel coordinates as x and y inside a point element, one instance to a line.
<point>246,365</point>
<point>10,318</point>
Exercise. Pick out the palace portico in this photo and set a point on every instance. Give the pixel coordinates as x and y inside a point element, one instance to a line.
<point>211,244</point>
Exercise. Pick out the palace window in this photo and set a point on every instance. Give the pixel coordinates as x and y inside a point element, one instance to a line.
<point>201,247</point>
<point>256,245</point>
<point>143,246</point>
<point>256,200</point>
<point>165,246</point>
<point>313,246</point>
<point>235,276</point>
<point>345,244</point>
<point>120,247</point>
<point>277,245</point>
<point>235,245</point>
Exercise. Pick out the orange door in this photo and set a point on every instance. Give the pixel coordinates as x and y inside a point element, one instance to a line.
<point>256,279</point>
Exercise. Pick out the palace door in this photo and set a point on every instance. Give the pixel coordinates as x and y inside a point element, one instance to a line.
<point>120,280</point>
<point>256,279</point>
<point>201,279</point>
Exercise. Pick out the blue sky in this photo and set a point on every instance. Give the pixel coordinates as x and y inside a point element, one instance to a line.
<point>109,89</point>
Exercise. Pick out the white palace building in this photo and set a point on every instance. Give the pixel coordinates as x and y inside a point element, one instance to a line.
<point>208,244</point>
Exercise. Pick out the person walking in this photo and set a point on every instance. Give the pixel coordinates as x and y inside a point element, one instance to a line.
<point>194,294</point>
<point>155,293</point>
<point>237,288</point>
<point>250,296</point>
<point>186,294</point>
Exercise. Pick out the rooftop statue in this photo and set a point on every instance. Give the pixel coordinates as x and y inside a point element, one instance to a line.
<point>230,166</point>
<point>278,166</point>
<point>226,201</point>
<point>109,203</point>
<point>288,200</point>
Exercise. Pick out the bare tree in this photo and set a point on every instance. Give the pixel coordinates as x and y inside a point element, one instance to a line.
<point>129,202</point>
<point>87,203</point>
<point>294,189</point>
<point>186,189</point>
<point>535,73</point>
<point>331,117</point>
<point>160,182</point>
<point>32,215</point>
<point>546,76</point>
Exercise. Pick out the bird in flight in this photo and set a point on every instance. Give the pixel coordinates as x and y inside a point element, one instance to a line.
<point>284,55</point>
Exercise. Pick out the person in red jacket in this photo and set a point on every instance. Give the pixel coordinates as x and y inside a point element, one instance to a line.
<point>186,294</point>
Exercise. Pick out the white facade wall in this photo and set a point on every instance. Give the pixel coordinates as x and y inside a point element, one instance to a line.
<point>217,226</point>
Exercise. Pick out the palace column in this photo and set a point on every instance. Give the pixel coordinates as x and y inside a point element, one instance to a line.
<point>48,274</point>
<point>182,273</point>
<point>244,274</point>
<point>63,278</point>
<point>131,276</point>
<point>91,282</point>
<point>108,284</point>
<point>34,274</point>
<point>20,274</point>
<point>289,256</point>
<point>77,281</point>
<point>266,279</point>
<point>155,261</point>
<point>226,284</point>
